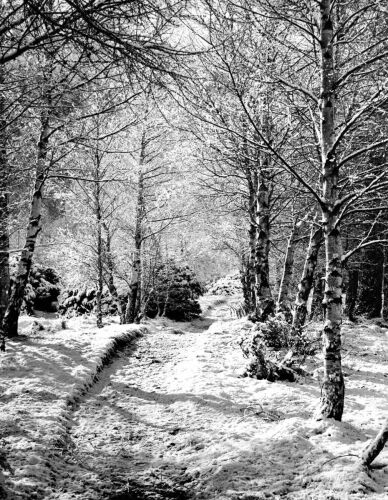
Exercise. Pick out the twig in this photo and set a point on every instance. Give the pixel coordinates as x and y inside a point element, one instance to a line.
<point>331,460</point>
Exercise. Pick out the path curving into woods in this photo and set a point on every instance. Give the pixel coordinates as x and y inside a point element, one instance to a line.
<point>127,433</point>
<point>171,418</point>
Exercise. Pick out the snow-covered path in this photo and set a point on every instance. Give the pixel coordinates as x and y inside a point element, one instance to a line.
<point>171,418</point>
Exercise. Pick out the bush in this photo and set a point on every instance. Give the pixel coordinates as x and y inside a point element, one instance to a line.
<point>175,293</point>
<point>75,302</point>
<point>274,333</point>
<point>45,282</point>
<point>42,289</point>
<point>228,285</point>
<point>275,351</point>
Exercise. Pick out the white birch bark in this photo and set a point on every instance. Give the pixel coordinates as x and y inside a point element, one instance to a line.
<point>19,281</point>
<point>283,303</point>
<point>333,388</point>
<point>4,205</point>
<point>133,304</point>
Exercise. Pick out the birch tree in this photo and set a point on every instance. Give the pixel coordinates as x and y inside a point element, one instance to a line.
<point>4,206</point>
<point>19,281</point>
<point>335,39</point>
<point>158,170</point>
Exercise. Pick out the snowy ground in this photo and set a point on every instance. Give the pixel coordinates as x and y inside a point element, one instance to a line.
<point>43,377</point>
<point>171,418</point>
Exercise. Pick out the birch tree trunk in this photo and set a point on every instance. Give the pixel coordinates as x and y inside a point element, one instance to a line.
<point>131,310</point>
<point>19,281</point>
<point>383,310</point>
<point>250,172</point>
<point>4,206</point>
<point>139,295</point>
<point>265,305</point>
<point>133,304</point>
<point>288,270</point>
<point>333,389</point>
<point>307,281</point>
<point>99,249</point>
<point>166,300</point>
<point>376,446</point>
<point>264,301</point>
<point>251,271</point>
<point>109,261</point>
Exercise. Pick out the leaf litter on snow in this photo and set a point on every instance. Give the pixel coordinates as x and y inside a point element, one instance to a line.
<point>174,417</point>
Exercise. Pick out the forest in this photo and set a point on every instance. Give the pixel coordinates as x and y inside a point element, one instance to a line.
<point>193,249</point>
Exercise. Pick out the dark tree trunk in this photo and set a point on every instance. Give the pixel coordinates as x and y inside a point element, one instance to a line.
<point>265,305</point>
<point>264,302</point>
<point>307,281</point>
<point>283,304</point>
<point>250,172</point>
<point>246,284</point>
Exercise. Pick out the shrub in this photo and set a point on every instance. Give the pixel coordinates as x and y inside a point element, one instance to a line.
<point>45,282</point>
<point>42,289</point>
<point>275,351</point>
<point>274,333</point>
<point>228,285</point>
<point>75,302</point>
<point>175,293</point>
<point>277,334</point>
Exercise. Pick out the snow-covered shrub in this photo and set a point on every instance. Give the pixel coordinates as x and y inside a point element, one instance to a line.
<point>75,302</point>
<point>275,351</point>
<point>274,333</point>
<point>42,289</point>
<point>228,285</point>
<point>45,282</point>
<point>277,334</point>
<point>175,293</point>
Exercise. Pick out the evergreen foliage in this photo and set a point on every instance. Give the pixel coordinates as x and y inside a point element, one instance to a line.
<point>83,301</point>
<point>42,289</point>
<point>175,293</point>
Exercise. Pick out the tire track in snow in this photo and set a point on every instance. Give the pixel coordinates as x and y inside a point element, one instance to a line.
<point>103,455</point>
